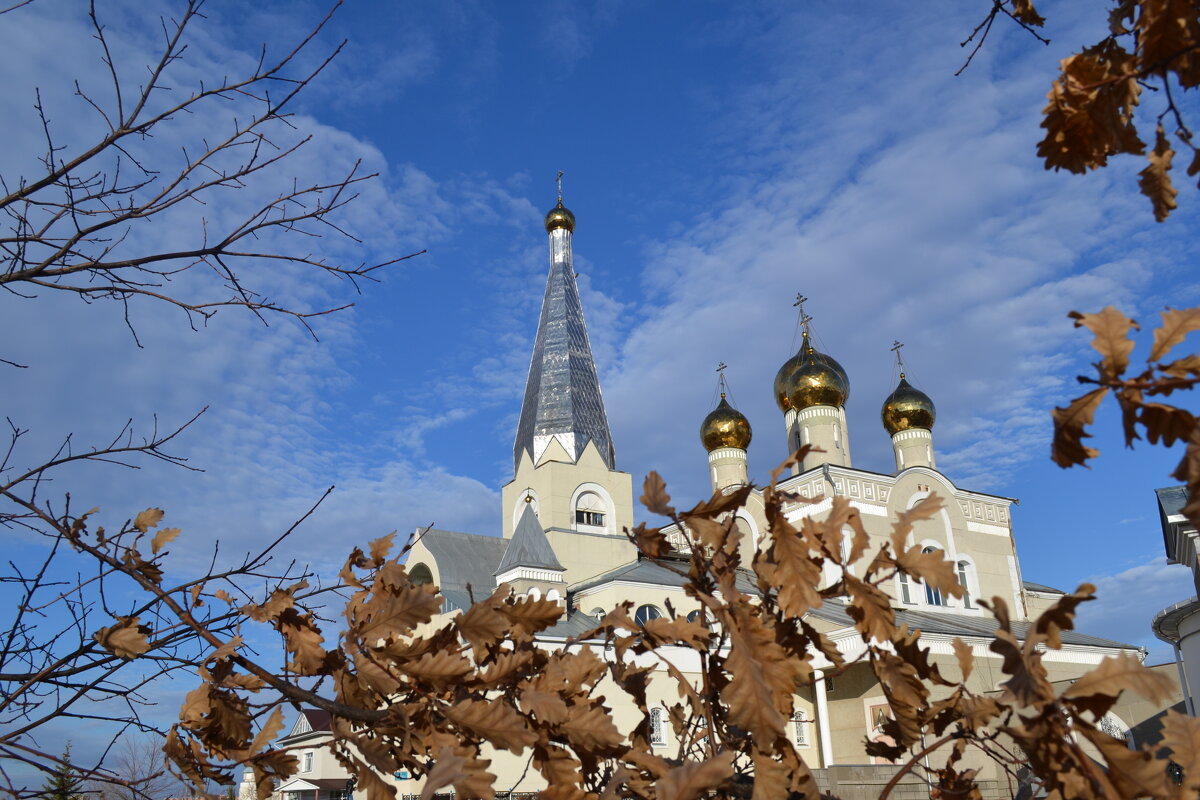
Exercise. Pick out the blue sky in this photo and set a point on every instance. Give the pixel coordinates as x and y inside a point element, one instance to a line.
<point>719,158</point>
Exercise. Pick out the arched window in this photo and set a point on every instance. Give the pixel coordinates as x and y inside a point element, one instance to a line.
<point>933,596</point>
<point>420,575</point>
<point>695,616</point>
<point>658,736</point>
<point>554,595</point>
<point>589,510</point>
<point>534,593</point>
<point>964,570</point>
<point>598,613</point>
<point>646,613</point>
<point>799,728</point>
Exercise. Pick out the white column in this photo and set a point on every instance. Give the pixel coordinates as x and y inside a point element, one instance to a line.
<point>823,721</point>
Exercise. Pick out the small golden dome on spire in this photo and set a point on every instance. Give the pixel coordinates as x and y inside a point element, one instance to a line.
<point>810,378</point>
<point>560,217</point>
<point>907,407</point>
<point>725,426</point>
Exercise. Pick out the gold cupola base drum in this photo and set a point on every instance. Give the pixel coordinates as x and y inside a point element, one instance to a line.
<point>908,415</point>
<point>725,434</point>
<point>811,389</point>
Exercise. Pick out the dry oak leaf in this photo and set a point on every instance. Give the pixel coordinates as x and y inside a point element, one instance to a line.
<point>1181,735</point>
<point>751,701</point>
<point>557,766</point>
<point>1168,34</point>
<point>225,650</point>
<point>1089,113</point>
<point>162,538</point>
<point>1110,338</point>
<point>1177,323</point>
<point>367,780</point>
<point>302,639</point>
<point>1155,179</point>
<point>1117,673</point>
<point>787,567</point>
<point>1061,616</point>
<point>966,661</point>
<point>279,601</point>
<point>148,519</point>
<point>545,706</point>
<point>533,615</point>
<point>650,541</point>
<point>693,779</point>
<point>1135,773</point>
<point>126,639</point>
<point>268,731</point>
<point>380,547</point>
<point>654,496</point>
<point>1070,425</point>
<point>771,778</point>
<point>591,727</point>
<point>392,611</point>
<point>482,625</point>
<point>1166,423</point>
<point>439,667</point>
<point>495,721</point>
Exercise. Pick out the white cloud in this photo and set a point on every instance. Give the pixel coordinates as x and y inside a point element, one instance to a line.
<point>1127,601</point>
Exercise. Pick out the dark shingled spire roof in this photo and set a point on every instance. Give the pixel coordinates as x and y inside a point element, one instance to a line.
<point>529,546</point>
<point>562,395</point>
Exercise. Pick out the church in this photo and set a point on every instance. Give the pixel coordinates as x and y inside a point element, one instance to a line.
<point>561,538</point>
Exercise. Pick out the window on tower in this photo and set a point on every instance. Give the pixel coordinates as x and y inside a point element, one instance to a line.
<point>589,510</point>
<point>933,596</point>
<point>646,613</point>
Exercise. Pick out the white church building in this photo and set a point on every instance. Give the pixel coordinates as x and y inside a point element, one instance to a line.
<point>559,536</point>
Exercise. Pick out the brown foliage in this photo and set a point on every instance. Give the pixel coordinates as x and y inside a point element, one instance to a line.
<point>430,692</point>
<point>1142,412</point>
<point>1089,113</point>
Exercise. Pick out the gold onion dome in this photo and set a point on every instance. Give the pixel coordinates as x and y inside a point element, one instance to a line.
<point>810,378</point>
<point>725,426</point>
<point>560,217</point>
<point>907,407</point>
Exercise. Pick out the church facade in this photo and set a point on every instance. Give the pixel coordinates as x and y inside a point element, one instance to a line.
<point>564,511</point>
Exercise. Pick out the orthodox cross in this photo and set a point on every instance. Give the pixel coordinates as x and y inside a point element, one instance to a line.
<point>896,345</point>
<point>558,180</point>
<point>800,301</point>
<point>721,367</point>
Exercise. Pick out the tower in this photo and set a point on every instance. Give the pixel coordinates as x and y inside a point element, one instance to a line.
<point>908,415</point>
<point>725,434</point>
<point>811,390</point>
<point>564,467</point>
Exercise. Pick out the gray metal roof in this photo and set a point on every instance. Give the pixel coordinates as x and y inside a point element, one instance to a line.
<point>529,546</point>
<point>465,559</point>
<point>646,571</point>
<point>1171,500</point>
<point>960,625</point>
<point>1041,587</point>
<point>562,394</point>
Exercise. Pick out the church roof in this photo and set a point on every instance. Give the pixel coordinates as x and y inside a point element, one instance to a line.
<point>1030,586</point>
<point>961,625</point>
<point>529,546</point>
<point>562,394</point>
<point>646,571</point>
<point>465,559</point>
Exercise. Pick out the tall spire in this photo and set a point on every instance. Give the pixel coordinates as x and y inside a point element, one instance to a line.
<point>562,395</point>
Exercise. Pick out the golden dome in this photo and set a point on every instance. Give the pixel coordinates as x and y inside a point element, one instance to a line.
<point>725,426</point>
<point>810,378</point>
<point>560,217</point>
<point>907,407</point>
